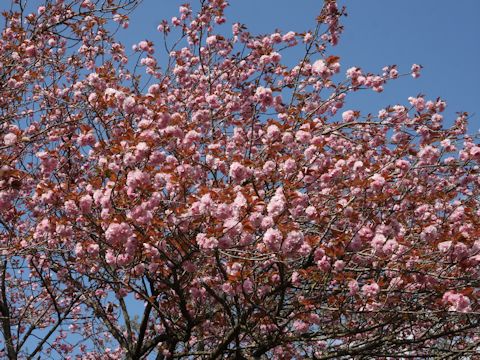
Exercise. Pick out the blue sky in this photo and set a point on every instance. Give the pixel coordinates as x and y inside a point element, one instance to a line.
<point>441,35</point>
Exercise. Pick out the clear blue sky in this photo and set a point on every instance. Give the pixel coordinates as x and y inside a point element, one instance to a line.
<point>441,35</point>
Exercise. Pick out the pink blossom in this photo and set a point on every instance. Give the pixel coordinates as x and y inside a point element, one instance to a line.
<point>85,203</point>
<point>353,73</point>
<point>205,242</point>
<point>365,233</point>
<point>118,233</point>
<point>287,138</point>
<point>319,254</point>
<point>475,151</point>
<point>460,251</point>
<point>267,222</point>
<point>71,208</point>
<point>348,116</point>
<point>213,101</point>
<point>238,172</point>
<point>277,203</point>
<point>457,302</point>
<point>358,165</point>
<point>393,73</point>
<point>290,36</point>
<point>124,259</point>
<point>100,293</point>
<point>319,67</point>
<point>211,40</point>
<point>139,269</point>
<point>324,264</point>
<point>429,154</point>
<point>296,278</point>
<point>429,233</point>
<point>121,293</point>
<point>339,265</point>
<point>233,227</point>
<point>64,231</point>
<point>311,211</point>
<point>378,241</point>
<point>255,219</point>
<point>48,162</point>
<point>300,326</point>
<point>293,242</point>
<point>234,269</point>
<point>416,70</point>
<point>175,21</point>
<point>305,249</point>
<point>445,246</point>
<point>264,96</point>
<point>248,286</point>
<point>273,238</point>
<point>10,139</point>
<point>396,283</point>
<point>31,51</point>
<point>303,136</point>
<point>457,214</point>
<point>129,104</point>
<point>93,249</point>
<point>402,164</point>
<point>206,203</point>
<point>240,201</point>
<point>273,132</point>
<point>353,287</point>
<point>86,4</point>
<point>378,182</point>
<point>137,178</point>
<point>223,211</point>
<point>275,57</point>
<point>140,214</point>
<point>276,37</point>
<point>228,289</point>
<point>143,45</point>
<point>390,247</point>
<point>87,139</point>
<point>191,137</point>
<point>289,166</point>
<point>370,290</point>
<point>269,167</point>
<point>184,9</point>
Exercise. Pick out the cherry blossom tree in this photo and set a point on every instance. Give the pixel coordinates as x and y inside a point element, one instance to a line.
<point>198,198</point>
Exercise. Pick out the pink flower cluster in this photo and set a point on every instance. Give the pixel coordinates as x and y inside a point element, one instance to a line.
<point>370,290</point>
<point>273,239</point>
<point>205,242</point>
<point>137,179</point>
<point>457,301</point>
<point>264,96</point>
<point>277,203</point>
<point>238,172</point>
<point>118,233</point>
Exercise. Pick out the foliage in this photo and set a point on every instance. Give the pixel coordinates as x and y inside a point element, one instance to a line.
<point>221,205</point>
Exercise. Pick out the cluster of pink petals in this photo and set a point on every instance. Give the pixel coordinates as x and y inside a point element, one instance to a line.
<point>457,301</point>
<point>118,233</point>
